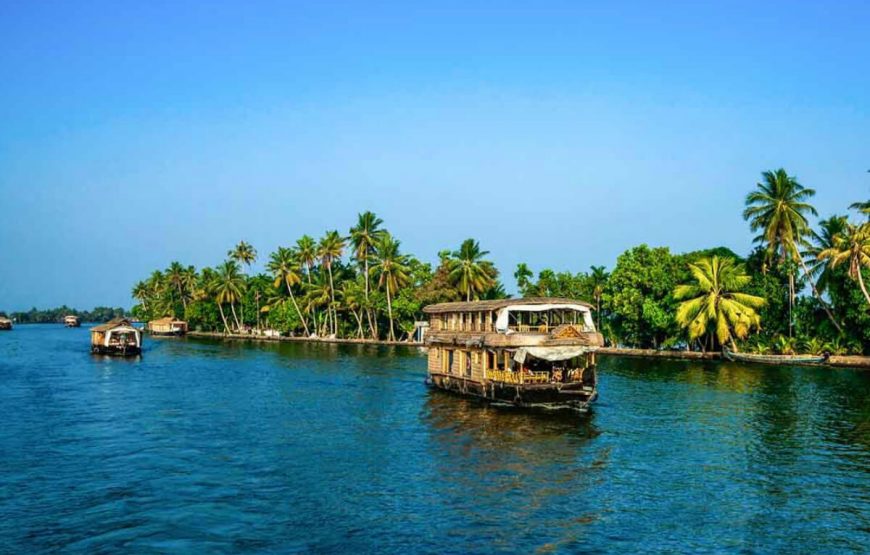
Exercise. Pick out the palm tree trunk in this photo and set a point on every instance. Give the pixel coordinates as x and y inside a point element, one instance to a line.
<point>367,308</point>
<point>863,287</point>
<point>257,296</point>
<point>296,306</point>
<point>183,301</point>
<point>332,296</point>
<point>390,312</point>
<point>599,313</point>
<point>790,303</point>
<point>224,318</point>
<point>819,296</point>
<point>360,331</point>
<point>235,318</point>
<point>313,308</point>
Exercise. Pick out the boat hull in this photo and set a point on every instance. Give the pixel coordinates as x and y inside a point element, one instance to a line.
<point>773,359</point>
<point>166,333</point>
<point>114,350</point>
<point>559,396</point>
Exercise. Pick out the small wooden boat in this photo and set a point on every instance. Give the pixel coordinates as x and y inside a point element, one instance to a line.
<point>71,321</point>
<point>773,359</point>
<point>535,352</point>
<point>116,337</point>
<point>167,326</point>
<point>5,324</point>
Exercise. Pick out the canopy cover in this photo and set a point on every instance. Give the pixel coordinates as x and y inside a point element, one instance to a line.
<point>503,315</point>
<point>551,354</point>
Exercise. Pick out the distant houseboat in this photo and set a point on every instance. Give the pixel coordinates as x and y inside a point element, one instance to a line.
<point>534,352</point>
<point>167,326</point>
<point>116,337</point>
<point>71,321</point>
<point>5,324</point>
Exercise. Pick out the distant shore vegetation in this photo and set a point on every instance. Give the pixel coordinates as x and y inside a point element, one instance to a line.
<point>801,289</point>
<point>55,315</point>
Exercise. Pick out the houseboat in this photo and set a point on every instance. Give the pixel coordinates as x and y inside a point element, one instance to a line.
<point>116,337</point>
<point>533,352</point>
<point>71,321</point>
<point>167,326</point>
<point>5,323</point>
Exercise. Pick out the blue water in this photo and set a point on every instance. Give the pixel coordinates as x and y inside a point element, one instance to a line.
<point>201,446</point>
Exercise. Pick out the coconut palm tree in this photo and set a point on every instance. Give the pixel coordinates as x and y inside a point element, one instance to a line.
<point>352,297</point>
<point>714,304</point>
<point>330,249</point>
<point>175,277</point>
<point>851,246</point>
<point>318,295</point>
<point>821,241</point>
<point>228,286</point>
<point>284,267</point>
<point>469,272</point>
<point>523,275</point>
<point>141,293</point>
<point>598,280</point>
<point>244,254</point>
<point>392,271</point>
<point>363,237</point>
<point>778,210</point>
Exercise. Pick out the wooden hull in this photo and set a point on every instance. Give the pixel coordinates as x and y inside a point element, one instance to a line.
<point>73,325</point>
<point>558,396</point>
<point>774,359</point>
<point>176,333</point>
<point>115,350</point>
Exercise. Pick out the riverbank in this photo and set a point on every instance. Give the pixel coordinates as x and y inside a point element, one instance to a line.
<point>342,341</point>
<point>844,361</point>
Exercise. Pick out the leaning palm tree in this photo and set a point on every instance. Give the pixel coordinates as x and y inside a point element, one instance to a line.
<point>245,254</point>
<point>714,303</point>
<point>317,294</point>
<point>778,210</point>
<point>228,286</point>
<point>363,237</point>
<point>352,297</point>
<point>330,249</point>
<point>598,280</point>
<point>141,293</point>
<point>392,269</point>
<point>852,246</point>
<point>284,267</point>
<point>468,271</point>
<point>820,242</point>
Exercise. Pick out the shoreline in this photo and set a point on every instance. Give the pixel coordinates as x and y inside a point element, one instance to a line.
<point>834,361</point>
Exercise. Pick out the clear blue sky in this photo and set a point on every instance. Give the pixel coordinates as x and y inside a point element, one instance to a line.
<point>559,134</point>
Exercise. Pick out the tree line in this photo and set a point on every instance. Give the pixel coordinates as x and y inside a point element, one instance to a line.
<point>55,315</point>
<point>801,289</point>
<point>358,284</point>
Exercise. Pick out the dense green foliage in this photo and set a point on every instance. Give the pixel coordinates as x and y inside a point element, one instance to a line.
<point>55,315</point>
<point>360,286</point>
<point>800,289</point>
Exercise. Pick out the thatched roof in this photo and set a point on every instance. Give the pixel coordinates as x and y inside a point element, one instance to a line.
<point>112,324</point>
<point>475,306</point>
<point>166,320</point>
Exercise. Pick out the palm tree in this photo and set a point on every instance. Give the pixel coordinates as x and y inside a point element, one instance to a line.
<point>523,275</point>
<point>175,277</point>
<point>330,249</point>
<point>284,267</point>
<point>141,293</point>
<point>353,298</point>
<point>228,287</point>
<point>715,301</point>
<point>863,207</point>
<point>363,237</point>
<point>392,269</point>
<point>777,209</point>
<point>821,241</point>
<point>598,279</point>
<point>852,246</point>
<point>469,272</point>
<point>317,294</point>
<point>243,253</point>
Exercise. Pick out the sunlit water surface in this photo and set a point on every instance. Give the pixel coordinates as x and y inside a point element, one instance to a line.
<point>202,446</point>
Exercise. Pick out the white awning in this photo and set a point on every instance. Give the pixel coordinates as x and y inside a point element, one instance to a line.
<point>503,315</point>
<point>551,354</point>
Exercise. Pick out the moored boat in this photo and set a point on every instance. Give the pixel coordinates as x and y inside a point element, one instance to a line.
<point>5,324</point>
<point>116,337</point>
<point>71,321</point>
<point>167,326</point>
<point>534,352</point>
<point>773,359</point>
